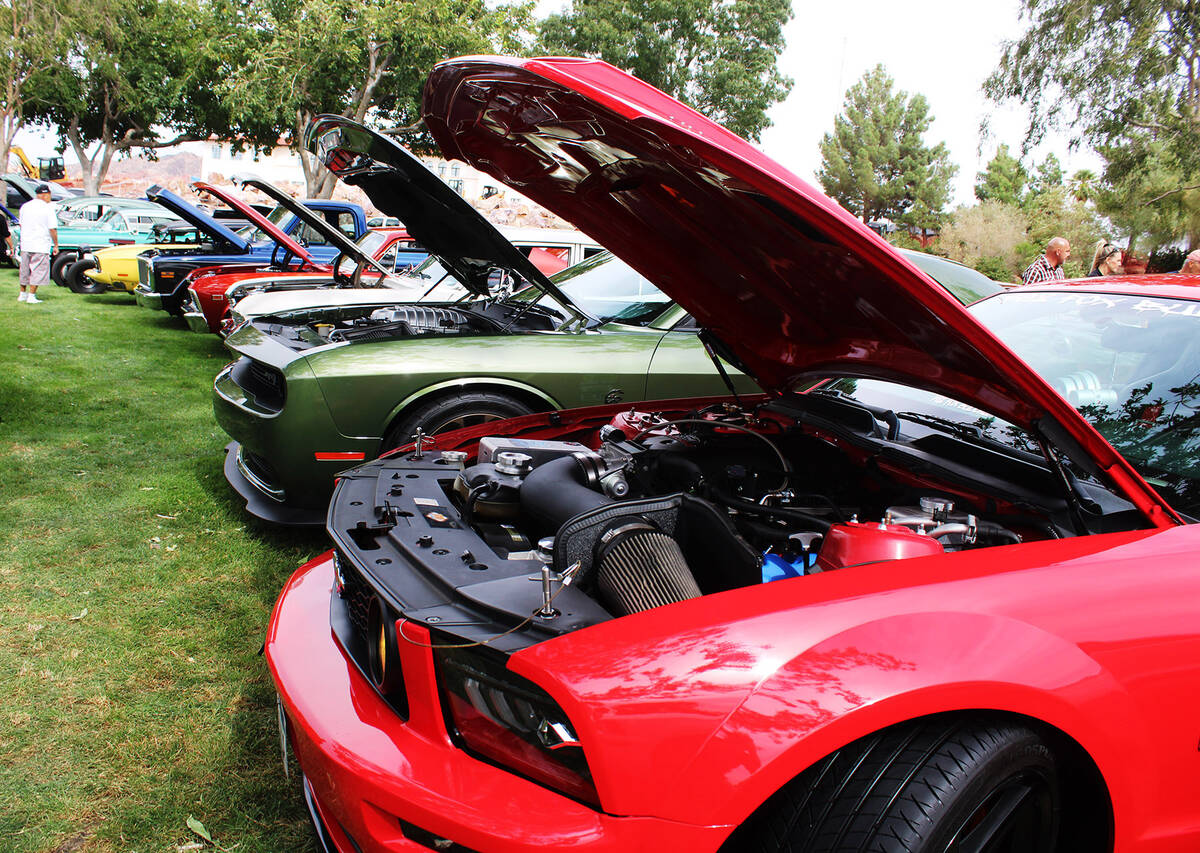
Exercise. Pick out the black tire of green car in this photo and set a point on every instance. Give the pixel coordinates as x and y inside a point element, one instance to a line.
<point>58,267</point>
<point>80,283</point>
<point>452,412</point>
<point>938,785</point>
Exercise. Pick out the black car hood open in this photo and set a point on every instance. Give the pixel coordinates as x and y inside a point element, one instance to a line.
<point>437,217</point>
<point>794,285</point>
<point>312,219</point>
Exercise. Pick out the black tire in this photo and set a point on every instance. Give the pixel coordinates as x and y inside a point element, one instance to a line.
<point>931,786</point>
<point>80,283</point>
<point>58,267</point>
<point>452,412</point>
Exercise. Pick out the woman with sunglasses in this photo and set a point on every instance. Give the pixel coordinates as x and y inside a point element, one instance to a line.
<point>1106,260</point>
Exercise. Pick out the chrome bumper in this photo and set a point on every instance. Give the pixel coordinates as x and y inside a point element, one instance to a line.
<point>148,298</point>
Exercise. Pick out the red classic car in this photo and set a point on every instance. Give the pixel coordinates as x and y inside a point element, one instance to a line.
<point>207,308</point>
<point>946,600</point>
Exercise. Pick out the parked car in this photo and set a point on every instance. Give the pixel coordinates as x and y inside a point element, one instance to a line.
<point>210,294</point>
<point>250,297</point>
<point>325,378</point>
<point>829,621</point>
<point>116,268</point>
<point>20,189</point>
<point>279,240</point>
<point>118,225</point>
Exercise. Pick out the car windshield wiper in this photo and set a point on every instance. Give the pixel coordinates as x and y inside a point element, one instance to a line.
<point>956,428</point>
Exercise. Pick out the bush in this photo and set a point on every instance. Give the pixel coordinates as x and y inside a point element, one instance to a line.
<point>1168,259</point>
<point>994,268</point>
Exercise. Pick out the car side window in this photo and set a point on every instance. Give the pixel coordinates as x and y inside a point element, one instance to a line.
<point>687,324</point>
<point>346,224</point>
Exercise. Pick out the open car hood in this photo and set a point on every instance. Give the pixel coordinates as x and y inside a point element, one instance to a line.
<point>437,217</point>
<point>253,216</point>
<point>789,282</point>
<point>202,221</point>
<point>311,218</point>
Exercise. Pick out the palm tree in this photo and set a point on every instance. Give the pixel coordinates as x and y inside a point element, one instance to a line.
<point>1083,185</point>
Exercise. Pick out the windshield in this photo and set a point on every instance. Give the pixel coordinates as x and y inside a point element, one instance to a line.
<point>1129,364</point>
<point>254,234</point>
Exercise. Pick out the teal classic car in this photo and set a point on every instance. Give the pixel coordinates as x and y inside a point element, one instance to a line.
<point>117,222</point>
<point>479,334</point>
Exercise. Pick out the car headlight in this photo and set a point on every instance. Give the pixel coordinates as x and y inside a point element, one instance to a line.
<point>510,721</point>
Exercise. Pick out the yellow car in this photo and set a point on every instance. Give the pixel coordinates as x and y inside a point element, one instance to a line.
<point>116,267</point>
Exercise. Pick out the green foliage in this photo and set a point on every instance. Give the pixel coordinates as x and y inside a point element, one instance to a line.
<point>1144,196</point>
<point>720,58</point>
<point>876,163</point>
<point>1106,67</point>
<point>132,67</point>
<point>1168,259</point>
<point>994,268</point>
<point>33,35</point>
<point>1004,179</point>
<point>993,230</point>
<point>136,594</point>
<point>360,58</point>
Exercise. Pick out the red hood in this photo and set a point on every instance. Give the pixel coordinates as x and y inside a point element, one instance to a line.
<point>790,282</point>
<point>267,226</point>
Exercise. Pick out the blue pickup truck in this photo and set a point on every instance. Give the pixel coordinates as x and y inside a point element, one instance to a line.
<point>278,240</point>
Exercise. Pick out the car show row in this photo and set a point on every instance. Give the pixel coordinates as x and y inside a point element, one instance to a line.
<point>732,528</point>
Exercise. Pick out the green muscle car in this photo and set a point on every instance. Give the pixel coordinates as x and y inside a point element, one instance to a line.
<point>476,334</point>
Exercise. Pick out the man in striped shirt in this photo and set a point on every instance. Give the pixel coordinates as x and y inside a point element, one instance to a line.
<point>1049,266</point>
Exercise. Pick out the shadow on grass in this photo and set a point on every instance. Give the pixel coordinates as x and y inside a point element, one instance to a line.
<point>253,780</point>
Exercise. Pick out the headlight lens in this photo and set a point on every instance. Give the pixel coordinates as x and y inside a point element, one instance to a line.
<point>510,721</point>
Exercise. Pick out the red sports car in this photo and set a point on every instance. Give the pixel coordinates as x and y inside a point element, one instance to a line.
<point>936,603</point>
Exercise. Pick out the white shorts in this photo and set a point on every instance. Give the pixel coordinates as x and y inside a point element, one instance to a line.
<point>35,269</point>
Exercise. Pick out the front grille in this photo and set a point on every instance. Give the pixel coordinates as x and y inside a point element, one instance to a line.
<point>350,617</point>
<point>261,381</point>
<point>144,272</point>
<point>356,593</point>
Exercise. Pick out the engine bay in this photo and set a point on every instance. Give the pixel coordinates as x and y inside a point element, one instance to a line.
<point>527,537</point>
<point>344,324</point>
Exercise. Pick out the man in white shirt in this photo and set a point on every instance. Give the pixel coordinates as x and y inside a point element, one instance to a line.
<point>39,240</point>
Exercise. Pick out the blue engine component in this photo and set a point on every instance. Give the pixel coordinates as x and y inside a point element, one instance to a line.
<point>776,567</point>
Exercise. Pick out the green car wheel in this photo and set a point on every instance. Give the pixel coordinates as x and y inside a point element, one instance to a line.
<point>453,412</point>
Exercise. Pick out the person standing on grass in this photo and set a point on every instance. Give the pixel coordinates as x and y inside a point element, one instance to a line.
<point>1049,266</point>
<point>39,240</point>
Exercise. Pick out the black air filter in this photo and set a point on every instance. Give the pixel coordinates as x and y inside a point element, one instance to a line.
<point>641,568</point>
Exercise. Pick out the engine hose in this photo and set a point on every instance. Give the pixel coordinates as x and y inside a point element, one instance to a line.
<point>485,489</point>
<point>557,491</point>
<point>786,513</point>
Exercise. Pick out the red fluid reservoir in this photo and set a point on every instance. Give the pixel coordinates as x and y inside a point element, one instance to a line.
<point>855,543</point>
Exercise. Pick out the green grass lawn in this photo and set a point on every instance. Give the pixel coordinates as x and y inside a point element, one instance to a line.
<point>134,593</point>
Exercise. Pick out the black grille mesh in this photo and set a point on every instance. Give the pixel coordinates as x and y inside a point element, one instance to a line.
<point>356,594</point>
<point>644,569</point>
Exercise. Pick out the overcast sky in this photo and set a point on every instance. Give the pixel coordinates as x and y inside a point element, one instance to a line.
<point>943,49</point>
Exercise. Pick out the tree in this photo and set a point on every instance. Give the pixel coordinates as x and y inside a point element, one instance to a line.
<point>1106,67</point>
<point>32,38</point>
<point>1141,196</point>
<point>721,58</point>
<point>1004,179</point>
<point>356,59</point>
<point>986,236</point>
<point>131,68</point>
<point>1083,185</point>
<point>876,163</point>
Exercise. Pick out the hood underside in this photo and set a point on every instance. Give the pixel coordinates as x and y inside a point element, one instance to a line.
<point>434,215</point>
<point>202,221</point>
<point>791,283</point>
